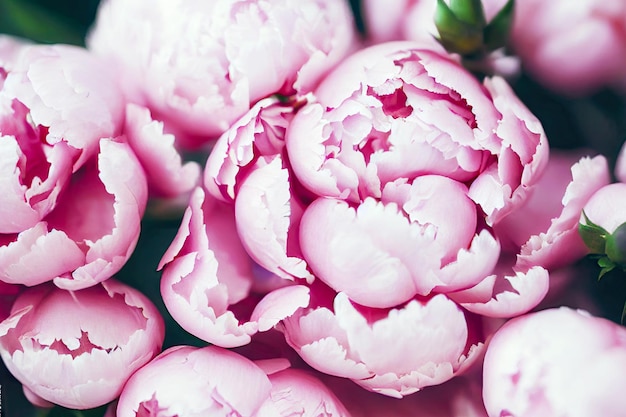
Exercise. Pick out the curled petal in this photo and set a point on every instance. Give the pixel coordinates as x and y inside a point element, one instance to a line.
<point>71,92</point>
<point>39,255</point>
<point>521,160</point>
<point>167,175</point>
<point>259,132</point>
<point>109,200</point>
<point>268,217</point>
<point>561,244</point>
<point>511,295</point>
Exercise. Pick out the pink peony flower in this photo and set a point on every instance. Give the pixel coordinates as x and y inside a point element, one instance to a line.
<point>549,38</point>
<point>402,142</point>
<point>72,192</point>
<point>359,211</point>
<point>199,66</point>
<point>77,349</point>
<point>195,382</point>
<point>601,207</point>
<point>557,362</point>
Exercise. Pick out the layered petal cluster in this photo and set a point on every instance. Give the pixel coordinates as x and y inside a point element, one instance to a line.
<point>197,382</point>
<point>77,349</point>
<point>198,65</point>
<point>556,362</point>
<point>361,219</point>
<point>72,193</point>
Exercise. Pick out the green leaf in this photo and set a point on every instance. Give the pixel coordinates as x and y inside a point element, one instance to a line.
<point>623,313</point>
<point>469,11</point>
<point>607,266</point>
<point>28,20</point>
<point>496,33</point>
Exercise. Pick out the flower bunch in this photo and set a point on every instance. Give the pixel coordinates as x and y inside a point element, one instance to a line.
<point>372,219</point>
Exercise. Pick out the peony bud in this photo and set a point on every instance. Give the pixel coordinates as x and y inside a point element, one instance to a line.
<point>77,349</point>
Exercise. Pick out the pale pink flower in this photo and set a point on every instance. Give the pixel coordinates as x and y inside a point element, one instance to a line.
<point>572,48</point>
<point>168,175</point>
<point>198,66</point>
<point>361,210</point>
<point>195,382</point>
<point>604,207</point>
<point>557,362</point>
<point>72,192</point>
<point>406,150</point>
<point>77,349</point>
<point>92,230</point>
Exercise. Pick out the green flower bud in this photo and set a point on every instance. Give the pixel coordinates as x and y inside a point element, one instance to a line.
<point>455,34</point>
<point>616,245</point>
<point>593,236</point>
<point>463,28</point>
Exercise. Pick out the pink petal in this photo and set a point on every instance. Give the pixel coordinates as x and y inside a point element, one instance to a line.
<point>278,305</point>
<point>167,174</point>
<point>104,214</point>
<point>513,295</point>
<point>268,217</point>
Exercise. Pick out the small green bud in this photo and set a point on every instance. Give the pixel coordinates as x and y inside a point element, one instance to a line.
<point>616,245</point>
<point>593,236</point>
<point>455,34</point>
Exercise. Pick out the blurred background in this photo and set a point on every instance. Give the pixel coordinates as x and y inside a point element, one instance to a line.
<point>596,122</point>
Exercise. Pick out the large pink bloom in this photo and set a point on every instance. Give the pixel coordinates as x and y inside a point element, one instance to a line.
<point>71,191</point>
<point>405,151</point>
<point>199,65</point>
<point>77,349</point>
<point>549,38</point>
<point>360,211</point>
<point>557,362</point>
